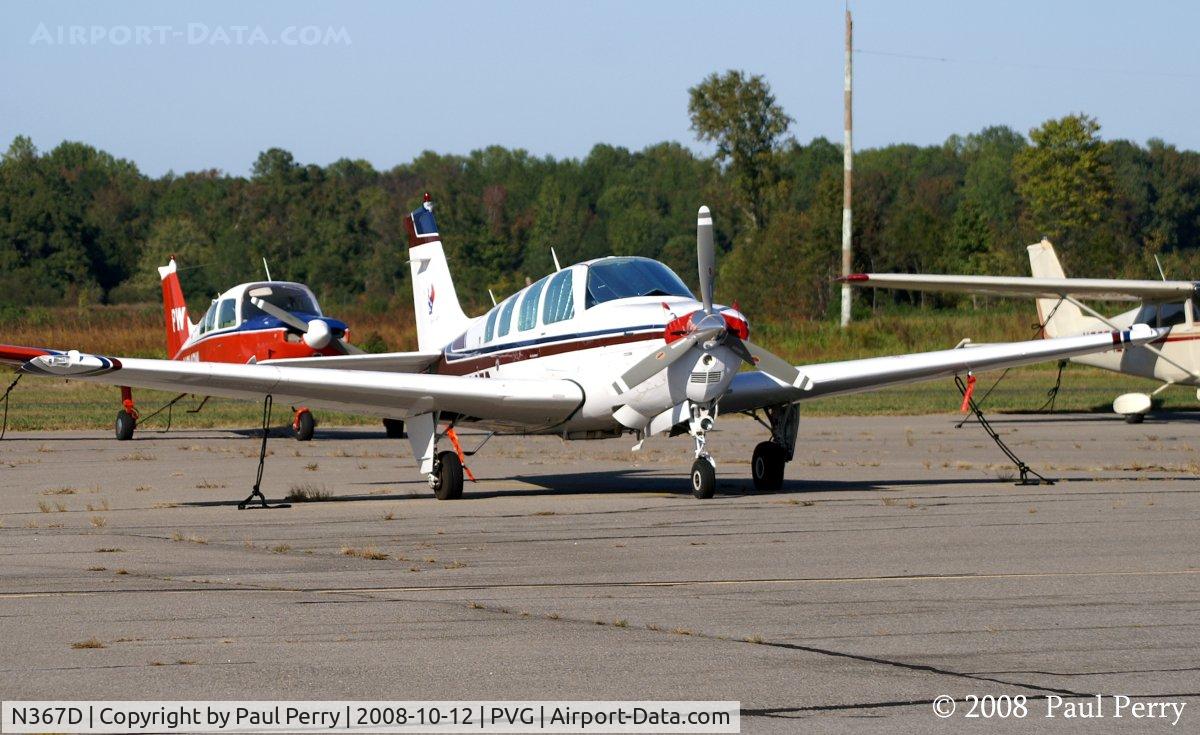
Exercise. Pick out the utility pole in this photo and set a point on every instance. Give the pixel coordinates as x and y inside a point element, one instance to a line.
<point>847,175</point>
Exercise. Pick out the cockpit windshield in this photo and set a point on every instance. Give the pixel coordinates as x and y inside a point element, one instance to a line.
<point>627,277</point>
<point>288,298</point>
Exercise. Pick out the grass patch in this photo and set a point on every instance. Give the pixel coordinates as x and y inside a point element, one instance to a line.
<point>209,485</point>
<point>307,493</point>
<point>108,550</point>
<point>281,548</point>
<point>367,552</point>
<point>98,521</point>
<point>59,491</point>
<point>92,642</point>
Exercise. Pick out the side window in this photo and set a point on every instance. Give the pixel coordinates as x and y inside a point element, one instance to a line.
<point>506,315</point>
<point>560,299</point>
<point>491,324</point>
<point>529,305</point>
<point>210,319</point>
<point>227,314</point>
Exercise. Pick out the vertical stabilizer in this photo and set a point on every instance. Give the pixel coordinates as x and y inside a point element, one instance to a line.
<point>179,325</point>
<point>440,318</point>
<point>1058,317</point>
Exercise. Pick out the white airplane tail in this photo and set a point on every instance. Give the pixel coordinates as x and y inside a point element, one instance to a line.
<point>440,318</point>
<point>1058,317</point>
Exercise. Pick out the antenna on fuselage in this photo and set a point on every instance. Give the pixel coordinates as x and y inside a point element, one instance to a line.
<point>493,296</point>
<point>265,268</point>
<point>554,255</point>
<point>1158,262</point>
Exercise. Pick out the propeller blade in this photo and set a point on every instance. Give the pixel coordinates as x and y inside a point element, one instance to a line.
<point>777,367</point>
<point>705,257</point>
<point>347,348</point>
<point>282,315</point>
<point>654,363</point>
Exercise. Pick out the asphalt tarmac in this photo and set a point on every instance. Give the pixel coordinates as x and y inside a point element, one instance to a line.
<point>900,563</point>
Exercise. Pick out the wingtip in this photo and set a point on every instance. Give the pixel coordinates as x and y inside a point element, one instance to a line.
<point>854,278</point>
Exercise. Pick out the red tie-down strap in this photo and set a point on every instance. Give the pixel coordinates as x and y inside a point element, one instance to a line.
<point>461,457</point>
<point>966,404</point>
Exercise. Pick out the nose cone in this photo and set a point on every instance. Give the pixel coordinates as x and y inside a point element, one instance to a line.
<point>317,335</point>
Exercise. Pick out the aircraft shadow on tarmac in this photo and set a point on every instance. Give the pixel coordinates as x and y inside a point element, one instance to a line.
<point>640,482</point>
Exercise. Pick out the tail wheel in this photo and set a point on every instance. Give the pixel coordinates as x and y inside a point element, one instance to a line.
<point>766,467</point>
<point>304,425</point>
<point>449,472</point>
<point>125,425</point>
<point>704,478</point>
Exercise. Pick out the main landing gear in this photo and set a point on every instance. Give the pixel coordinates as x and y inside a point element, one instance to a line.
<point>770,457</point>
<point>303,424</point>
<point>127,417</point>
<point>446,480</point>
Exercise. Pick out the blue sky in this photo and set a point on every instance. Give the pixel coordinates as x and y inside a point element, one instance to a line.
<point>557,77</point>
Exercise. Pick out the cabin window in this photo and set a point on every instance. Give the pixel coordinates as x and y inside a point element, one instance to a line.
<point>490,329</point>
<point>506,312</point>
<point>629,277</point>
<point>227,314</point>
<point>529,305</point>
<point>560,299</point>
<point>210,319</point>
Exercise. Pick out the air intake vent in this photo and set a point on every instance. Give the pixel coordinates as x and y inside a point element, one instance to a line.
<point>707,378</point>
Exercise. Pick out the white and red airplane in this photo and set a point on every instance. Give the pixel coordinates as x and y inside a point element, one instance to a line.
<point>600,349</point>
<point>1062,311</point>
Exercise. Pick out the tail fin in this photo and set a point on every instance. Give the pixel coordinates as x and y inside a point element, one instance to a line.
<point>440,318</point>
<point>179,325</point>
<point>1058,317</point>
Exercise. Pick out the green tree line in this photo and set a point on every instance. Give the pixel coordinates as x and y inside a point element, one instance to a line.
<point>80,226</point>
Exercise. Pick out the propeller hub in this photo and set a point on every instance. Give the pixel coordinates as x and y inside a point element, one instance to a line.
<point>317,336</point>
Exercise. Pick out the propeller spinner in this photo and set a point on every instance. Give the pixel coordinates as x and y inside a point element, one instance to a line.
<point>708,330</point>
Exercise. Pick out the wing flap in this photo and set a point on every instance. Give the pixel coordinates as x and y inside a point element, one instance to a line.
<point>1101,289</point>
<point>752,390</point>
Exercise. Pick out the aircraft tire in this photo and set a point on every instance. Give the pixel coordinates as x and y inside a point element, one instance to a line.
<point>394,428</point>
<point>766,467</point>
<point>1134,418</point>
<point>124,425</point>
<point>305,426</point>
<point>704,478</point>
<point>450,477</point>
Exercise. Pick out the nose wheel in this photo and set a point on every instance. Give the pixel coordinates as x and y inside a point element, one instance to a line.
<point>704,478</point>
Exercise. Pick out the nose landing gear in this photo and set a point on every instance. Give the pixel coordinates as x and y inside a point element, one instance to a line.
<point>704,469</point>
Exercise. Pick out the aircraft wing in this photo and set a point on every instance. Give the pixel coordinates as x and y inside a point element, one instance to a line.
<point>387,362</point>
<point>15,355</point>
<point>751,390</point>
<point>1102,289</point>
<point>529,404</point>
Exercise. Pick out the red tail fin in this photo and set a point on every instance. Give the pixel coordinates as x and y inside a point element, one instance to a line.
<point>179,325</point>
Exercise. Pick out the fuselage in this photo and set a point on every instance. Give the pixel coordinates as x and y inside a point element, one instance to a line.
<point>1181,345</point>
<point>570,326</point>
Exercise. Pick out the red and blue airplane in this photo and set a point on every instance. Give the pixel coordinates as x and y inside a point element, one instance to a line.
<point>249,323</point>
